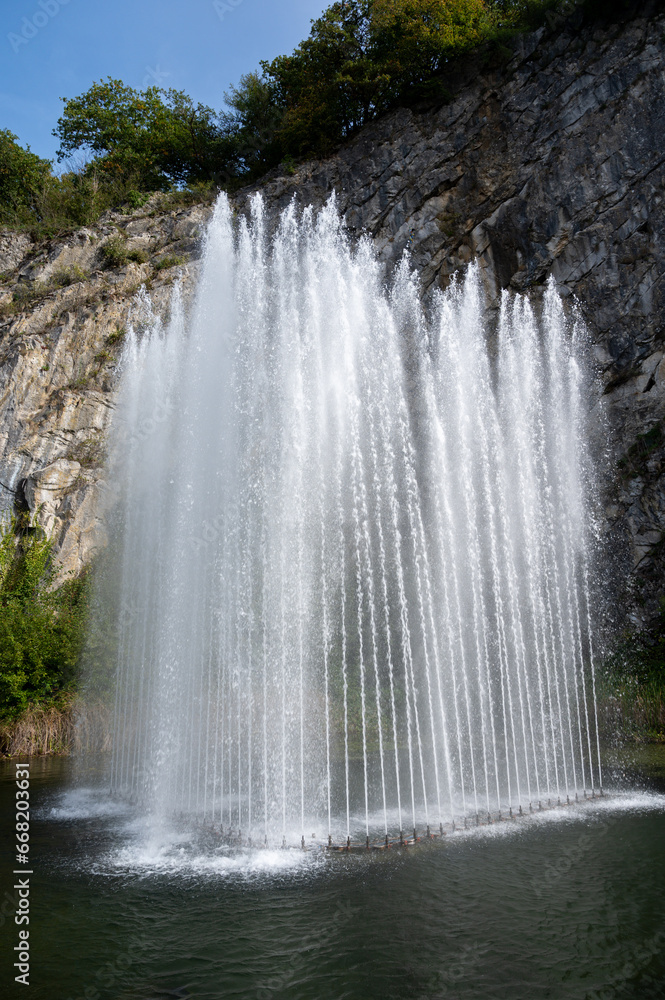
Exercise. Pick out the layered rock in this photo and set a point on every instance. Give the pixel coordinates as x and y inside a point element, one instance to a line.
<point>553,164</point>
<point>63,317</point>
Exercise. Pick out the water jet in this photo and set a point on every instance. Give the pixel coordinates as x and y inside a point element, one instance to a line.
<point>356,543</point>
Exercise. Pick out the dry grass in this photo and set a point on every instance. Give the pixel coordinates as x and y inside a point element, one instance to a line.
<point>76,727</point>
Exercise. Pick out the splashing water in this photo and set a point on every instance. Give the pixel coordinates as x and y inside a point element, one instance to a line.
<point>354,547</point>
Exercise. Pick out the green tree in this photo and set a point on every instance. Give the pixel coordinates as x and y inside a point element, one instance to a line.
<point>23,178</point>
<point>154,137</point>
<point>362,57</point>
<point>329,86</point>
<point>251,126</point>
<point>41,627</point>
<point>417,37</point>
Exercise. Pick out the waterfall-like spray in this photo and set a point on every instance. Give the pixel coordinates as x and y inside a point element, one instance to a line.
<point>354,547</point>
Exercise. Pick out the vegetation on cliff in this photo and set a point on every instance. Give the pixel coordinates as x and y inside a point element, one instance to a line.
<point>362,58</point>
<point>632,684</point>
<point>41,625</point>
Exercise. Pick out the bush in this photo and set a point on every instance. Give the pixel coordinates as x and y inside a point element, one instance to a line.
<point>41,627</point>
<point>114,251</point>
<point>170,260</point>
<point>23,178</point>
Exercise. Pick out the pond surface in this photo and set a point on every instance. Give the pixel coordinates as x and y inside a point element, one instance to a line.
<point>566,904</point>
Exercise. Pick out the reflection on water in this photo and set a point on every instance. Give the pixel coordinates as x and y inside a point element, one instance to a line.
<point>567,904</point>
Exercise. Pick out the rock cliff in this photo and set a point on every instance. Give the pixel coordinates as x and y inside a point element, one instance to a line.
<point>64,310</point>
<point>552,163</point>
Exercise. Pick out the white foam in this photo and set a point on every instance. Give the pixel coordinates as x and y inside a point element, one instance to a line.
<point>83,803</point>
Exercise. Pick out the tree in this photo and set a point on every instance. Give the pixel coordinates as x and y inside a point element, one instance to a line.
<point>362,57</point>
<point>251,126</point>
<point>417,37</point>
<point>155,136</point>
<point>23,177</point>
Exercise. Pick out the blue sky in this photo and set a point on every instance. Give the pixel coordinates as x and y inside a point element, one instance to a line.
<point>57,48</point>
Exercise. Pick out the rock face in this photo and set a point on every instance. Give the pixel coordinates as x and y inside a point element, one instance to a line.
<point>63,317</point>
<point>551,164</point>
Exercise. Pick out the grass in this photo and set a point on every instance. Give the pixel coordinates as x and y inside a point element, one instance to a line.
<point>90,454</point>
<point>170,260</point>
<point>48,729</point>
<point>117,337</point>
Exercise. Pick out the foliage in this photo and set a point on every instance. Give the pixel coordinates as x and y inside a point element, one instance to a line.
<point>362,57</point>
<point>156,136</point>
<point>41,626</point>
<point>68,276</point>
<point>115,252</point>
<point>634,677</point>
<point>170,260</point>
<point>23,177</point>
<point>252,127</point>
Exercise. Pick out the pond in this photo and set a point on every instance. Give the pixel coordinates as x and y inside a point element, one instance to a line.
<point>569,903</point>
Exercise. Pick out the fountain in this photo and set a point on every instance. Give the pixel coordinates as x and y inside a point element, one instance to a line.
<point>355,549</point>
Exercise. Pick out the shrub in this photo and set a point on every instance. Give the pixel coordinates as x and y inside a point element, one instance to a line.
<point>23,177</point>
<point>138,256</point>
<point>117,337</point>
<point>114,251</point>
<point>68,276</point>
<point>170,260</point>
<point>41,627</point>
<point>633,679</point>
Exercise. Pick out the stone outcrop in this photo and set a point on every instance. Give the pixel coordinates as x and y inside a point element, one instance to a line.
<point>551,164</point>
<point>63,317</point>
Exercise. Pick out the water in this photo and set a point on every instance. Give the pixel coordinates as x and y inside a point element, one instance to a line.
<point>567,905</point>
<point>355,548</point>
